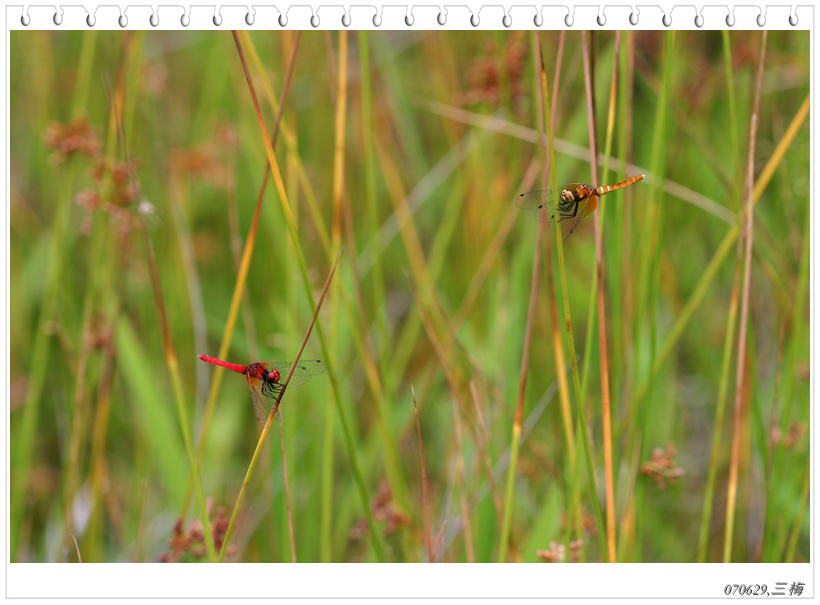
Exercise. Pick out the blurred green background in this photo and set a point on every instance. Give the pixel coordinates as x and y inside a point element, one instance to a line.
<point>407,148</point>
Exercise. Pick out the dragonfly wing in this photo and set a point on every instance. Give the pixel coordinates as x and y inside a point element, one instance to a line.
<point>566,209</point>
<point>304,371</point>
<point>533,200</point>
<point>262,400</point>
<point>301,374</point>
<point>592,204</point>
<point>541,202</point>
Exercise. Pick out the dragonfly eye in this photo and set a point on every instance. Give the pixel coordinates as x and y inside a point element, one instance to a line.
<point>272,376</point>
<point>566,195</point>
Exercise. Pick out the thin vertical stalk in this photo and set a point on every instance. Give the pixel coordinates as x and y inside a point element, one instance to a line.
<point>424,497</point>
<point>236,251</point>
<point>744,316</point>
<point>519,409</point>
<point>732,107</point>
<point>484,454</point>
<point>176,196</point>
<point>241,280</point>
<point>603,178</point>
<point>370,184</point>
<point>462,487</point>
<point>579,408</point>
<point>708,500</point>
<point>445,351</point>
<point>604,365</point>
<point>361,341</point>
<point>621,248</point>
<point>649,281</point>
<point>287,486</point>
<point>339,142</point>
<point>350,443</point>
<point>560,362</point>
<point>622,286</point>
<point>336,243</point>
<point>522,380</point>
<point>791,546</point>
<point>263,436</point>
<point>141,523</point>
<point>326,507</point>
<point>77,424</point>
<point>703,536</point>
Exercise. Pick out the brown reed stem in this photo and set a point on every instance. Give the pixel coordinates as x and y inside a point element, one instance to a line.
<point>744,317</point>
<point>605,402</point>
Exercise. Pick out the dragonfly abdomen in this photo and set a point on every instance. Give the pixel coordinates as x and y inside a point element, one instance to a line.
<point>607,188</point>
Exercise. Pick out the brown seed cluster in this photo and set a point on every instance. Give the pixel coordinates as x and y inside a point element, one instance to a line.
<point>484,77</point>
<point>384,509</point>
<point>77,136</point>
<point>661,467</point>
<point>192,540</point>
<point>114,190</point>
<point>792,437</point>
<point>207,162</point>
<point>113,193</point>
<point>587,522</point>
<point>557,552</point>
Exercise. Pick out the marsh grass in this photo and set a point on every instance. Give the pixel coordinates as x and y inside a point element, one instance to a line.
<point>407,149</point>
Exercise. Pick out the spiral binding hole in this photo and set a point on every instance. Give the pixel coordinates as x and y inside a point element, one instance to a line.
<point>249,18</point>
<point>217,20</point>
<point>538,20</point>
<point>474,20</point>
<point>185,20</point>
<point>283,20</point>
<point>153,20</point>
<point>409,20</point>
<point>314,20</point>
<point>123,21</point>
<point>506,20</point>
<point>90,20</point>
<point>666,20</point>
<point>377,20</point>
<point>569,20</point>
<point>761,20</point>
<point>442,19</point>
<point>793,20</point>
<point>601,19</point>
<point>25,19</point>
<point>730,20</point>
<point>346,20</point>
<point>698,20</point>
<point>57,18</point>
<point>633,19</point>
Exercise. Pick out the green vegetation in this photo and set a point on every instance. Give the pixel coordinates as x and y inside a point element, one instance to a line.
<point>152,222</point>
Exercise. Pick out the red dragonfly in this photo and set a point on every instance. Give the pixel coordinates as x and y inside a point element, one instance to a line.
<point>575,201</point>
<point>264,376</point>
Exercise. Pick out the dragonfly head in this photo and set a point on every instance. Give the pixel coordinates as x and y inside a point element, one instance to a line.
<point>272,376</point>
<point>567,195</point>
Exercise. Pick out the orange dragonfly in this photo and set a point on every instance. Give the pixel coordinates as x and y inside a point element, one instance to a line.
<point>264,376</point>
<point>576,201</point>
